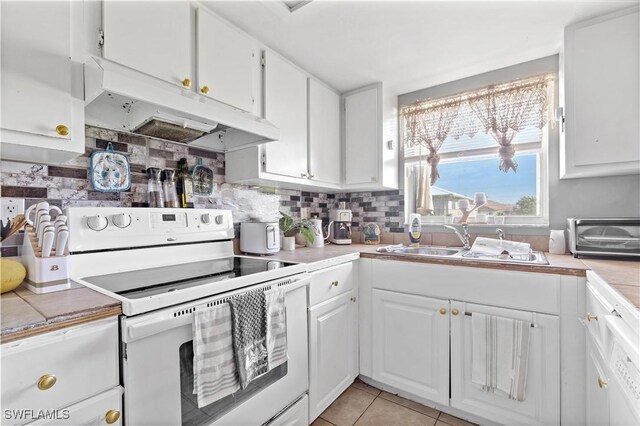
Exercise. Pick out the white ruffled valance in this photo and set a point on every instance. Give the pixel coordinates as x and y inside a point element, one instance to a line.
<point>500,110</point>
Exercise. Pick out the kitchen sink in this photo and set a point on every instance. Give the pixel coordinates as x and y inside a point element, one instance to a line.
<point>532,258</point>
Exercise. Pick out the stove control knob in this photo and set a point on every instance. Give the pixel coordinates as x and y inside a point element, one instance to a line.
<point>206,218</point>
<point>219,219</point>
<point>121,220</point>
<point>97,222</point>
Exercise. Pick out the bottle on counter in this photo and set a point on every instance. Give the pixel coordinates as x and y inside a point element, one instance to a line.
<point>415,228</point>
<point>169,188</point>
<point>184,184</point>
<point>154,188</point>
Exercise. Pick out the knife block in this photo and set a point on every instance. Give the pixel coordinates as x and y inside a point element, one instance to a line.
<point>44,274</point>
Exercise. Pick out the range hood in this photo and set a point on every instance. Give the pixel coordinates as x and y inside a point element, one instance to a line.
<point>119,98</point>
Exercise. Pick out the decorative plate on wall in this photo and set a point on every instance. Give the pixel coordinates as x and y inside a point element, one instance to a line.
<point>109,171</point>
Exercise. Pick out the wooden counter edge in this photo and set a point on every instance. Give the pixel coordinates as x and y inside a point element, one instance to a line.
<point>544,269</point>
<point>53,325</point>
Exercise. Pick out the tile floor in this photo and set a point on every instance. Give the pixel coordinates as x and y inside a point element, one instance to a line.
<point>362,404</point>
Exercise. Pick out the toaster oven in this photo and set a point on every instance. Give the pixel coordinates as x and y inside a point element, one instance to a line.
<point>604,237</point>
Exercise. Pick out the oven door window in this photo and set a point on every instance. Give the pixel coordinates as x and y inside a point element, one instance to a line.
<point>192,415</point>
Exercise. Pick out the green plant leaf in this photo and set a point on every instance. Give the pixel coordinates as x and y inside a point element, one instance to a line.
<point>308,234</point>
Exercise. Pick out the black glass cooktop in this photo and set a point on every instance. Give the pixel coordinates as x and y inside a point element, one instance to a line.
<point>149,282</point>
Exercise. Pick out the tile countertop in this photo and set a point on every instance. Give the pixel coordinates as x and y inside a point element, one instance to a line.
<point>622,275</point>
<point>24,313</point>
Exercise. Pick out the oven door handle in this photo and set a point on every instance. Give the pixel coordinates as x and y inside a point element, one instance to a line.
<point>152,326</point>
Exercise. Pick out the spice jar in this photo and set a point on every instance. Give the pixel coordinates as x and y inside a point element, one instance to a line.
<point>154,188</point>
<point>169,186</point>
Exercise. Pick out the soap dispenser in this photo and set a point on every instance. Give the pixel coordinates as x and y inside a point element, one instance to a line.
<point>415,228</point>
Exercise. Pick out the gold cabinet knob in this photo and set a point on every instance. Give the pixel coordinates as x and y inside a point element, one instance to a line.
<point>454,311</point>
<point>602,382</point>
<point>112,416</point>
<point>334,283</point>
<point>47,381</point>
<point>205,89</point>
<point>590,317</point>
<point>443,311</point>
<point>186,82</point>
<point>62,130</point>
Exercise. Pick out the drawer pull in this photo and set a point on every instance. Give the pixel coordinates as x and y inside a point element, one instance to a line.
<point>602,382</point>
<point>443,311</point>
<point>591,317</point>
<point>454,311</point>
<point>334,283</point>
<point>112,416</point>
<point>47,381</point>
<point>205,90</point>
<point>353,299</point>
<point>62,130</point>
<point>186,82</point>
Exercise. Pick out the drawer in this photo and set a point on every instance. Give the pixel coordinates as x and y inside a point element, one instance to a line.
<point>102,409</point>
<point>330,282</point>
<point>597,309</point>
<point>84,360</point>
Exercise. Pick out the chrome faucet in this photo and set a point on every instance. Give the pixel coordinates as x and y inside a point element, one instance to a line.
<point>500,234</point>
<point>464,238</point>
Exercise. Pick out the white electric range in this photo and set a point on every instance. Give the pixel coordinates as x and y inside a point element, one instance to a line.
<point>163,264</point>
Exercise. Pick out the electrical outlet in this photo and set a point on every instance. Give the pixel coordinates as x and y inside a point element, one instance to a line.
<point>11,207</point>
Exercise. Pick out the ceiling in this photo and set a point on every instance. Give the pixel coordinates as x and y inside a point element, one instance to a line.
<point>409,45</point>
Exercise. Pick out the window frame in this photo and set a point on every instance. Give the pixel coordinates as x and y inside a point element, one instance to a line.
<point>542,185</point>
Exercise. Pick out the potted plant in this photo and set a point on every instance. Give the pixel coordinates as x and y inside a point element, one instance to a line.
<point>292,228</point>
<point>499,219</point>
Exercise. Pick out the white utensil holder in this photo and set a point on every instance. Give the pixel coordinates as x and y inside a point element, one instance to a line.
<point>44,274</point>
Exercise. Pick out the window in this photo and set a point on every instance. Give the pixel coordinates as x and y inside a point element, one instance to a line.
<point>469,162</point>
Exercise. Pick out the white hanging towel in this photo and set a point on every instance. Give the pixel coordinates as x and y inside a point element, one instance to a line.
<point>500,354</point>
<point>214,369</point>
<point>276,327</point>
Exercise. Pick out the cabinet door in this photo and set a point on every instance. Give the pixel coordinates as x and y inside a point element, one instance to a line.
<point>601,65</point>
<point>362,131</point>
<point>331,348</point>
<point>226,62</point>
<point>597,391</point>
<point>36,67</point>
<point>102,409</point>
<point>541,404</point>
<point>285,105</point>
<point>154,38</point>
<point>324,133</point>
<point>411,344</point>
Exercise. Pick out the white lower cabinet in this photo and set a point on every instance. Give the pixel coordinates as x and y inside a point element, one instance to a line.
<point>598,397</point>
<point>411,344</point>
<point>333,336</point>
<point>541,404</point>
<point>59,370</point>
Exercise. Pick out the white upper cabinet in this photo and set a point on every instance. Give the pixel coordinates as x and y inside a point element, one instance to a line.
<point>226,62</point>
<point>42,106</point>
<point>154,38</point>
<point>370,147</point>
<point>285,105</point>
<point>324,133</point>
<point>602,105</point>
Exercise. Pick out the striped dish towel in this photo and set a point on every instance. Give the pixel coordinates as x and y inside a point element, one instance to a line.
<point>500,354</point>
<point>276,327</point>
<point>214,369</point>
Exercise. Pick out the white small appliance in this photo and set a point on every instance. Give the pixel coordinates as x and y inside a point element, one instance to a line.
<point>260,237</point>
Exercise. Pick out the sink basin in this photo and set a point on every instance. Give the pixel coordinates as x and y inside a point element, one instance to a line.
<point>423,250</point>
<point>533,258</point>
<point>428,251</point>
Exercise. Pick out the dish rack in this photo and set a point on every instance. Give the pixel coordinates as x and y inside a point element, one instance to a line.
<point>44,274</point>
